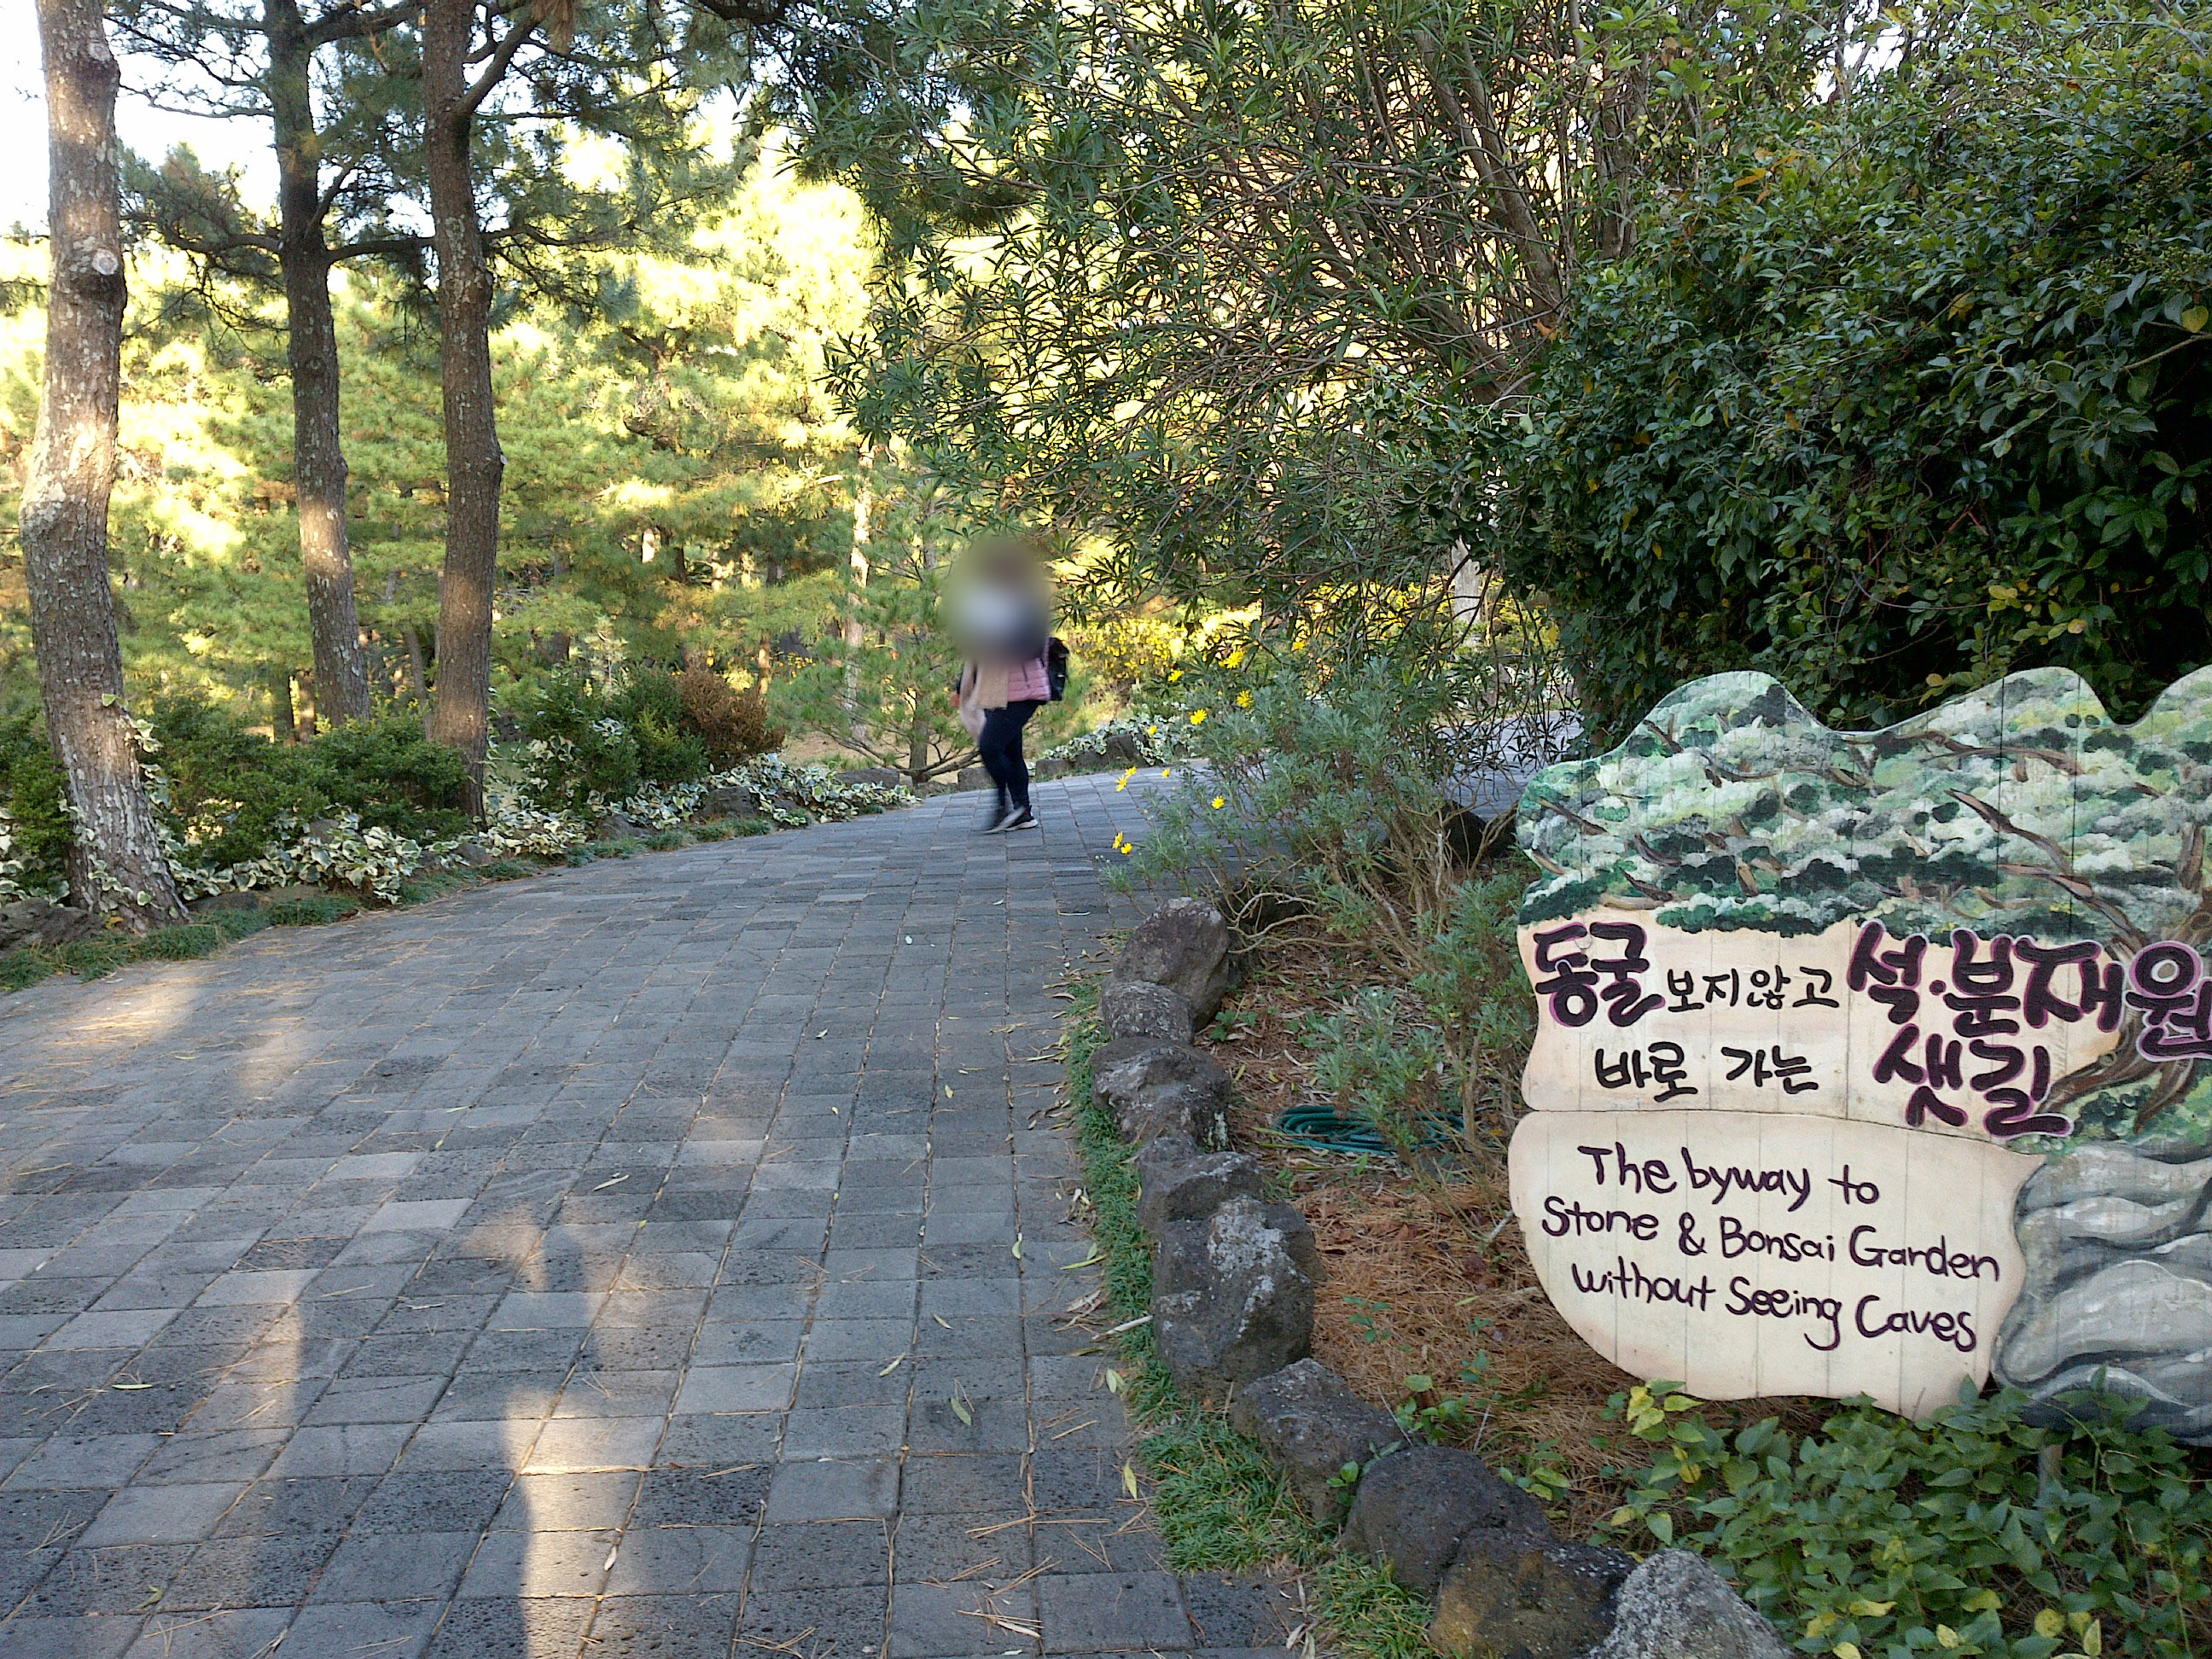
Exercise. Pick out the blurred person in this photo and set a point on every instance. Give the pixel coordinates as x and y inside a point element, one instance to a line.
<point>1001,604</point>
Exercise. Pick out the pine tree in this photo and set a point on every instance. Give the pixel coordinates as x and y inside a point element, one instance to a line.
<point>259,56</point>
<point>115,864</point>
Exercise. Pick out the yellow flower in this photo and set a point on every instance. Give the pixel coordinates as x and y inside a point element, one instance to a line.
<point>1119,786</point>
<point>1243,699</point>
<point>1165,772</point>
<point>1237,656</point>
<point>1198,717</point>
<point>1220,801</point>
<point>1173,674</point>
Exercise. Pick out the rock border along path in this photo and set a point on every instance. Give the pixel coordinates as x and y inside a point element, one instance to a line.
<point>619,1263</point>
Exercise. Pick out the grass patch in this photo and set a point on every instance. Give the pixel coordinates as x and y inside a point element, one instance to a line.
<point>508,869</point>
<point>186,942</point>
<point>238,924</point>
<point>666,841</point>
<point>26,966</point>
<point>315,910</point>
<point>95,958</point>
<point>421,889</point>
<point>1364,1612</point>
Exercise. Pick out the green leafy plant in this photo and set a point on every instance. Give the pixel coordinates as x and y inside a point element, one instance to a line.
<point>1904,391</point>
<point>585,746</point>
<point>1975,1533</point>
<point>1381,1064</point>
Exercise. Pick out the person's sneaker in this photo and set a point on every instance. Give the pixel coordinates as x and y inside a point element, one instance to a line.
<point>1003,822</point>
<point>1022,818</point>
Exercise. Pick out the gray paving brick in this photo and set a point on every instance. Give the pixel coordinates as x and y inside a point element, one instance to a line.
<point>682,1561</point>
<point>428,1368</point>
<point>1111,1613</point>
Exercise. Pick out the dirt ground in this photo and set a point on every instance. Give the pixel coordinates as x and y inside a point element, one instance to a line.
<point>1425,1275</point>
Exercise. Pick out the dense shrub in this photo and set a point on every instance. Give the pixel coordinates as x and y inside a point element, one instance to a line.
<point>231,791</point>
<point>734,725</point>
<point>1976,1532</point>
<point>1909,395</point>
<point>586,744</point>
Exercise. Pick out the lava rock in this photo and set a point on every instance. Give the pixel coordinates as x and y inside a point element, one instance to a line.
<point>470,855</point>
<point>1155,1089</point>
<point>972,777</point>
<point>1176,1182</point>
<point>1311,1425</point>
<point>1511,1594</point>
<point>730,801</point>
<point>1184,945</point>
<point>34,920</point>
<point>884,776</point>
<point>1416,1507</point>
<point>614,826</point>
<point>1138,1008</point>
<point>1232,1300</point>
<point>1051,767</point>
<point>1676,1605</point>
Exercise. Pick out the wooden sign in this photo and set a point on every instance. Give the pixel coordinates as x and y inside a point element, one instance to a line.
<point>1822,1016</point>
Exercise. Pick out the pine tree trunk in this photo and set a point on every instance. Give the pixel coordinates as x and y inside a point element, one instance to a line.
<point>318,466</point>
<point>863,501</point>
<point>115,865</point>
<point>461,717</point>
<point>281,723</point>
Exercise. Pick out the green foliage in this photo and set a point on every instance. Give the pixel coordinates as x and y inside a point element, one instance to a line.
<point>1382,1065</point>
<point>1147,267</point>
<point>675,466</point>
<point>33,804</point>
<point>880,686</point>
<point>589,746</point>
<point>1974,1532</point>
<point>229,787</point>
<point>389,774</point>
<point>1326,796</point>
<point>1905,392</point>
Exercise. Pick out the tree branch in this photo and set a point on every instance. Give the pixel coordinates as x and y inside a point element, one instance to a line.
<point>497,67</point>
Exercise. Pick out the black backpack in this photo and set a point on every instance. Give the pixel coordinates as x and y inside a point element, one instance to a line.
<point>1055,668</point>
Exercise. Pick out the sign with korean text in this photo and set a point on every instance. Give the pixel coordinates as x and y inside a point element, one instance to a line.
<point>1824,1018</point>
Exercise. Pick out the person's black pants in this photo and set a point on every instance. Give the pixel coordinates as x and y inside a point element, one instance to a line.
<point>1001,742</point>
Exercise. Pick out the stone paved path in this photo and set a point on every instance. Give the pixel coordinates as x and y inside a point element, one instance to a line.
<point>617,1262</point>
